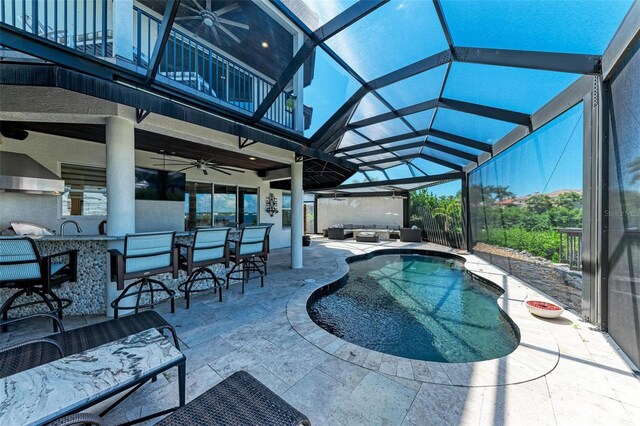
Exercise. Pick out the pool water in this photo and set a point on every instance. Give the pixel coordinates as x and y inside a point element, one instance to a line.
<point>420,307</point>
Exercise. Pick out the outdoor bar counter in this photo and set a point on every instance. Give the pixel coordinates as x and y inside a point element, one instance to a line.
<point>89,294</point>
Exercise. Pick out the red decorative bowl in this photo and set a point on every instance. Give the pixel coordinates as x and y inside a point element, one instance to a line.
<point>544,309</point>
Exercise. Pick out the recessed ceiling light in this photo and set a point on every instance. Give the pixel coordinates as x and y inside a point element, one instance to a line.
<point>252,158</point>
<point>264,44</point>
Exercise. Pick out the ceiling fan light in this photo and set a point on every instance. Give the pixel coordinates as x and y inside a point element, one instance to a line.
<point>208,21</point>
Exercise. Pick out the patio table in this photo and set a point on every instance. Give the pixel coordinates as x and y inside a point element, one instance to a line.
<point>74,383</point>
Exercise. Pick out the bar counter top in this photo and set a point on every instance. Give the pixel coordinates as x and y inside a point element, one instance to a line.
<point>83,237</point>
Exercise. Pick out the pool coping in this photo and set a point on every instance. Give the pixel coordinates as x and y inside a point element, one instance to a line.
<point>536,355</point>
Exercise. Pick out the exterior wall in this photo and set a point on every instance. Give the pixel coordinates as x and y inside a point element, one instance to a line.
<point>359,211</point>
<point>623,213</point>
<point>51,151</point>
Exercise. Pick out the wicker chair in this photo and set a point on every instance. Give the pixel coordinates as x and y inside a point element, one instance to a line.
<point>22,268</point>
<point>209,247</point>
<point>247,253</point>
<point>144,255</point>
<point>24,356</point>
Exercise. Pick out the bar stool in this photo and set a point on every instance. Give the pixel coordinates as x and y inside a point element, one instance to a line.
<point>24,269</point>
<point>246,253</point>
<point>264,258</point>
<point>144,255</point>
<point>209,247</point>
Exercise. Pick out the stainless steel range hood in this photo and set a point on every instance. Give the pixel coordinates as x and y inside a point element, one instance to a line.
<point>21,173</point>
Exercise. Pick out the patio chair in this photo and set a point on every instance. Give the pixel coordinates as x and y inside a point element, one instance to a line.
<point>240,399</point>
<point>23,268</point>
<point>23,356</point>
<point>247,253</point>
<point>265,258</point>
<point>145,255</point>
<point>209,247</point>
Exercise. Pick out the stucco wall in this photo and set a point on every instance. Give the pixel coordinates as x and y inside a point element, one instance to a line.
<point>360,211</point>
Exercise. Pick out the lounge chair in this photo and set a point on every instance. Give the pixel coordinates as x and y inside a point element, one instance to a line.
<point>24,356</point>
<point>239,399</point>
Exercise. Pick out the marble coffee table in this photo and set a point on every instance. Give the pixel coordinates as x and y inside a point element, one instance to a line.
<point>71,384</point>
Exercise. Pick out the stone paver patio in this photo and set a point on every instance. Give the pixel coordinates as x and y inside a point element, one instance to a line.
<point>564,372</point>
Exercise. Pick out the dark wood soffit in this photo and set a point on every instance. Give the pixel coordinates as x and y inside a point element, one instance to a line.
<point>153,143</point>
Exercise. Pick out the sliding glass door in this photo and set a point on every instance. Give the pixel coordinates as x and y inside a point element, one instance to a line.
<point>225,205</point>
<point>248,206</point>
<point>198,205</point>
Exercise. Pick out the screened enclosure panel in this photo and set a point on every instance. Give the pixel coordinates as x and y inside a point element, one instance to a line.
<point>369,106</point>
<point>315,13</point>
<point>421,120</point>
<point>549,26</point>
<point>401,172</point>
<point>351,139</point>
<point>331,86</point>
<point>444,156</point>
<point>413,90</point>
<point>384,40</point>
<point>385,129</point>
<point>515,89</point>
<point>623,211</point>
<point>520,198</point>
<point>430,168</point>
<point>471,126</point>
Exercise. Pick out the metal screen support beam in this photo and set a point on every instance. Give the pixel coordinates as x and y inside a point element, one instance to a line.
<point>319,138</point>
<point>170,12</point>
<point>341,21</point>
<point>550,61</point>
<point>389,160</point>
<point>624,39</point>
<point>466,212</point>
<point>412,109</point>
<point>451,151</point>
<point>405,181</point>
<point>441,162</point>
<point>486,111</point>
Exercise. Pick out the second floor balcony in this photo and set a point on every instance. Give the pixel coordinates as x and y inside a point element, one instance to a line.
<point>227,52</point>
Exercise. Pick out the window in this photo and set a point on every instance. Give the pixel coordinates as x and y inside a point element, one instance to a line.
<point>198,205</point>
<point>286,209</point>
<point>224,205</point>
<point>85,191</point>
<point>248,206</point>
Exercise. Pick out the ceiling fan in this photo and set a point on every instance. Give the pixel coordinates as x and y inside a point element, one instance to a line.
<point>213,19</point>
<point>394,196</point>
<point>201,164</point>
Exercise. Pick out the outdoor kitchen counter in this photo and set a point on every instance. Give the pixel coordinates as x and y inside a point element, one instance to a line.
<point>89,294</point>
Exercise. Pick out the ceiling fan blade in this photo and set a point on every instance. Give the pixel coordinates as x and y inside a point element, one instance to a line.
<point>208,4</point>
<point>186,168</point>
<point>231,169</point>
<point>186,18</point>
<point>198,5</point>
<point>233,23</point>
<point>190,8</point>
<point>227,32</point>
<point>216,169</point>
<point>215,34</point>
<point>226,9</point>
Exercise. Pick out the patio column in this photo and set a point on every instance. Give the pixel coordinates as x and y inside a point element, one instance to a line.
<point>121,199</point>
<point>297,196</point>
<point>121,196</point>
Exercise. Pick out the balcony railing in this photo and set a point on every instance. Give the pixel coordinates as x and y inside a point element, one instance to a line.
<point>87,26</point>
<point>570,246</point>
<point>84,25</point>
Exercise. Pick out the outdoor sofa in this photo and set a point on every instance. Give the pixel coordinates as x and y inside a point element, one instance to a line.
<point>411,235</point>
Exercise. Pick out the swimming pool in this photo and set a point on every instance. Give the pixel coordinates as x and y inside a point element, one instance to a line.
<point>424,307</point>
